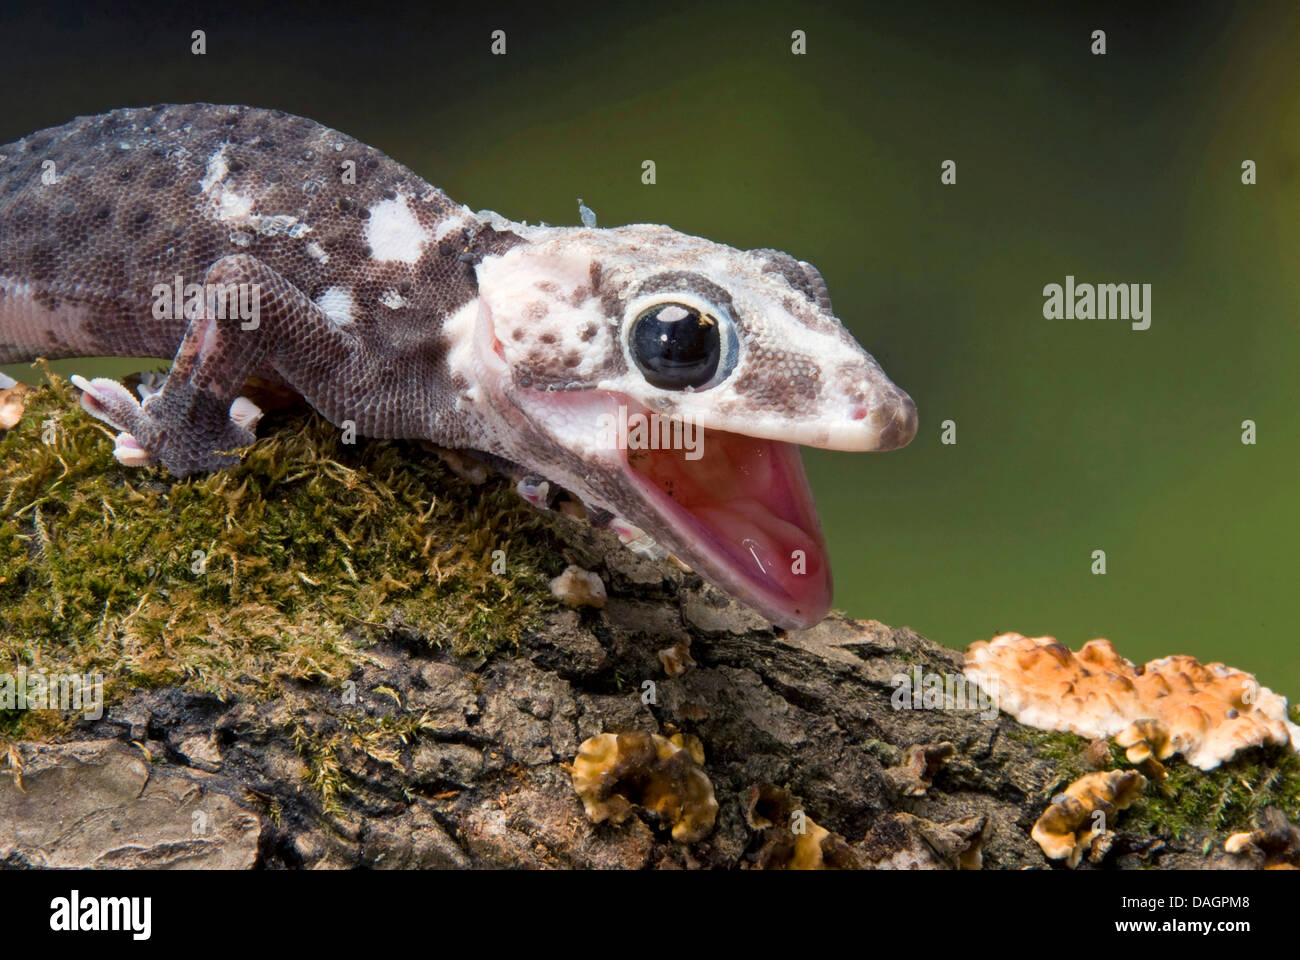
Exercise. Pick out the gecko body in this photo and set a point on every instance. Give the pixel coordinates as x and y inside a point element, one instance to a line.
<point>388,306</point>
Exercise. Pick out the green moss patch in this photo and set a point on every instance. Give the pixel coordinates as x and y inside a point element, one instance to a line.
<point>1224,800</point>
<point>282,567</point>
<point>1221,801</point>
<point>1065,751</point>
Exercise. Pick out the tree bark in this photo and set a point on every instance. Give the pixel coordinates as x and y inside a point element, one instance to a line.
<point>440,762</point>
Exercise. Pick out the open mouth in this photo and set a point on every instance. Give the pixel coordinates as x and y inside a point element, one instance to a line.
<point>741,513</point>
<point>736,509</point>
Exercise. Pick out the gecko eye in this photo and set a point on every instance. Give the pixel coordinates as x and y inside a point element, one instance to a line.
<point>677,346</point>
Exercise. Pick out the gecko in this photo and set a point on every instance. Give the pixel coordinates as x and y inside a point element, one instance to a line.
<point>392,309</point>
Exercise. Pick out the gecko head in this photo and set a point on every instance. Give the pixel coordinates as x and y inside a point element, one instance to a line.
<point>670,380</point>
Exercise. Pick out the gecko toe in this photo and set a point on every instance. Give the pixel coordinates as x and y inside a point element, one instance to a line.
<point>245,413</point>
<point>129,453</point>
<point>150,383</point>
<point>536,491</point>
<point>109,401</point>
<point>637,540</point>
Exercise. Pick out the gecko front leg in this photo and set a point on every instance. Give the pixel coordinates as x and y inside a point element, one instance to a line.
<point>197,419</point>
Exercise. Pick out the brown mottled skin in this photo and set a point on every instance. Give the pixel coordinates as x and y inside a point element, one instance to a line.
<point>390,308</point>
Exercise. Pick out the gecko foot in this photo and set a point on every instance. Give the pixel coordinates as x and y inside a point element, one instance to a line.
<point>243,411</point>
<point>180,431</point>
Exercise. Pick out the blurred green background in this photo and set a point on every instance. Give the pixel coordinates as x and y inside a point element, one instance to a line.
<point>1073,435</point>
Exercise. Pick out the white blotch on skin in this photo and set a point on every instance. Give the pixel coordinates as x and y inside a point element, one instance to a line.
<point>462,359</point>
<point>237,211</point>
<point>216,170</point>
<point>449,226</point>
<point>393,233</point>
<point>233,207</point>
<point>392,300</point>
<point>280,223</point>
<point>336,303</point>
<point>316,252</point>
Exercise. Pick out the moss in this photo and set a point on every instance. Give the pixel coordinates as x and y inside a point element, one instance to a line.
<point>283,567</point>
<point>1223,800</point>
<point>888,754</point>
<point>1065,751</point>
<point>1188,801</point>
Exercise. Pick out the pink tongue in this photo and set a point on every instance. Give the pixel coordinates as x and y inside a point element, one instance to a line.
<point>770,548</point>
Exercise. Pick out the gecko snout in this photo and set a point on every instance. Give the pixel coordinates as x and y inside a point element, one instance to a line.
<point>897,421</point>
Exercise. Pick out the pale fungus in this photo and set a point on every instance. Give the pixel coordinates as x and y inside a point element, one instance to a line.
<point>579,588</point>
<point>1275,845</point>
<point>11,401</point>
<point>914,776</point>
<point>1145,740</point>
<point>676,659</point>
<point>1208,712</point>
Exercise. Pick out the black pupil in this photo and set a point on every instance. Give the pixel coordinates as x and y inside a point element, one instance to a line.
<point>676,346</point>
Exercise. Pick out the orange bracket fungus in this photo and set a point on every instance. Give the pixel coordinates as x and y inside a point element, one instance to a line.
<point>1207,711</point>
